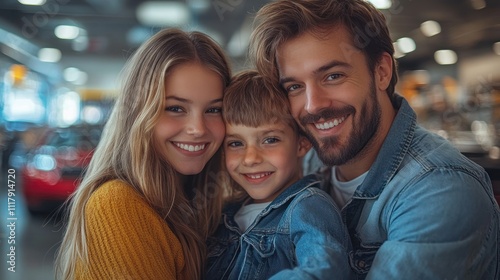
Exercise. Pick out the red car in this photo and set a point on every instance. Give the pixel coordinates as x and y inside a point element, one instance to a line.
<point>55,167</point>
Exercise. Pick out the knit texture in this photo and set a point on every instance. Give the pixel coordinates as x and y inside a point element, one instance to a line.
<point>127,239</point>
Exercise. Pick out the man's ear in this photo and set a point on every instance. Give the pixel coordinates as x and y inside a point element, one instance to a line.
<point>383,72</point>
<point>304,146</point>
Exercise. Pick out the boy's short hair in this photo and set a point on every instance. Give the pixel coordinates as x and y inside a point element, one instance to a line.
<point>252,100</point>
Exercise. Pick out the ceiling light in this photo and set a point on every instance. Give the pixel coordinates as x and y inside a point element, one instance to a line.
<point>75,76</point>
<point>381,4</point>
<point>496,48</point>
<point>397,52</point>
<point>32,2</point>
<point>445,57</point>
<point>199,5</point>
<point>68,32</point>
<point>163,14</point>
<point>406,45</point>
<point>430,28</point>
<point>49,55</point>
<point>478,4</point>
<point>138,35</point>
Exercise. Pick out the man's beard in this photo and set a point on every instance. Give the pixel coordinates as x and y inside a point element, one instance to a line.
<point>329,149</point>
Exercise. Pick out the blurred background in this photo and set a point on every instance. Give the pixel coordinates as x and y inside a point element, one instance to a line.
<point>60,60</point>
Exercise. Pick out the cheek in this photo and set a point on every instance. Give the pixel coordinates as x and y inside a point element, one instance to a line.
<point>296,105</point>
<point>231,160</point>
<point>165,128</point>
<point>218,129</point>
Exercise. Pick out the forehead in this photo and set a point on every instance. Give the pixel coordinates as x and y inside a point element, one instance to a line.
<point>243,130</point>
<point>193,81</point>
<point>311,49</point>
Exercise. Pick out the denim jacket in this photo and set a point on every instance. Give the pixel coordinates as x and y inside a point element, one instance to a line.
<point>424,211</point>
<point>299,235</point>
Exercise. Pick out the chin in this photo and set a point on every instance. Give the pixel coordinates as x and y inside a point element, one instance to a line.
<point>190,171</point>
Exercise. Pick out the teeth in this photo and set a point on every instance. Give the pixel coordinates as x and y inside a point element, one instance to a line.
<point>258,176</point>
<point>329,124</point>
<point>191,148</point>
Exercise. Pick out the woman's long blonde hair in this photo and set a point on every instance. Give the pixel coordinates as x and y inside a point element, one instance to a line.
<point>127,152</point>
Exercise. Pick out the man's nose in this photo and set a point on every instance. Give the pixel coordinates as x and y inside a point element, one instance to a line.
<point>316,99</point>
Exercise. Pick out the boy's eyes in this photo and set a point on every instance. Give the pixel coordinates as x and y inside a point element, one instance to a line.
<point>268,140</point>
<point>234,144</point>
<point>271,140</point>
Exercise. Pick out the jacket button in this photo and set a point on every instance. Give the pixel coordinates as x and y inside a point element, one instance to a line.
<point>361,264</point>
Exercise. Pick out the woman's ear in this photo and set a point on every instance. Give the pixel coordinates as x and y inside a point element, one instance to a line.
<point>383,72</point>
<point>304,146</point>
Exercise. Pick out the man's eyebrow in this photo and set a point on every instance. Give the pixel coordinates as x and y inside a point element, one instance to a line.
<point>323,68</point>
<point>331,64</point>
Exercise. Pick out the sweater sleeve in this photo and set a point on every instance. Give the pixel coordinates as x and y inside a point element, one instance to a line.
<point>127,239</point>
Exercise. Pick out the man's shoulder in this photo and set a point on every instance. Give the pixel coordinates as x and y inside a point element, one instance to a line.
<point>433,151</point>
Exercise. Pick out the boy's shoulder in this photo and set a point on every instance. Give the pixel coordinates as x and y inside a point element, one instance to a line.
<point>312,187</point>
<point>309,187</point>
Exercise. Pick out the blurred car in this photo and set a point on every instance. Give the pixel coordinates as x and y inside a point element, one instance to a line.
<point>54,168</point>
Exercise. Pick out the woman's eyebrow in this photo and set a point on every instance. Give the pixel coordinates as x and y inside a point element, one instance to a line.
<point>184,100</point>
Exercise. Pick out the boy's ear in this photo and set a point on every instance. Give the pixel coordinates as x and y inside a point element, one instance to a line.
<point>304,146</point>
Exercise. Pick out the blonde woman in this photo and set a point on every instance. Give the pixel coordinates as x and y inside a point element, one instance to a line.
<point>151,194</point>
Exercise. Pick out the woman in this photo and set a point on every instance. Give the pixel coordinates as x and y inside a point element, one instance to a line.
<point>150,197</point>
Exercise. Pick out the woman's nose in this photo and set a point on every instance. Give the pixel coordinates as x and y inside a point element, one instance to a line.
<point>196,126</point>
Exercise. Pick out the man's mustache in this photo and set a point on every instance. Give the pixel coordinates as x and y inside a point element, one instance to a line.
<point>325,114</point>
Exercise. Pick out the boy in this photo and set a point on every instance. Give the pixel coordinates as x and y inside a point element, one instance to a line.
<point>276,224</point>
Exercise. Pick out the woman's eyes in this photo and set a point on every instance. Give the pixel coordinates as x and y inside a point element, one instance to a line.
<point>175,109</point>
<point>215,110</point>
<point>179,109</point>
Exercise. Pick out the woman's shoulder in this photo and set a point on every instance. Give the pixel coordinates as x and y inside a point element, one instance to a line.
<point>115,191</point>
<point>116,197</point>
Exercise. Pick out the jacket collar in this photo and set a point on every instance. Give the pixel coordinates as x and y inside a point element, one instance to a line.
<point>392,152</point>
<point>288,194</point>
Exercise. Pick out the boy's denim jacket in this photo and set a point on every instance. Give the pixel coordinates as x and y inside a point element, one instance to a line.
<point>300,235</point>
<point>424,211</point>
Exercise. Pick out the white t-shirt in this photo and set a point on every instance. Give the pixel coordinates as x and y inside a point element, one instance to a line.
<point>342,191</point>
<point>247,214</point>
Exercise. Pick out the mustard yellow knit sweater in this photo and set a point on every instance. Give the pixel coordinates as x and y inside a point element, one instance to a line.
<point>127,239</point>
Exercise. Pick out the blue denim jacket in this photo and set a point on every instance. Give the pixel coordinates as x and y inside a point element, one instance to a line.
<point>300,235</point>
<point>424,211</point>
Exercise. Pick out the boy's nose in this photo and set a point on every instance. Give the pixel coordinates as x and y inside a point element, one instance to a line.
<point>252,156</point>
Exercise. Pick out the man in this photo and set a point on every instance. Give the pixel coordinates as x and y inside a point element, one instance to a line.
<point>415,207</point>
